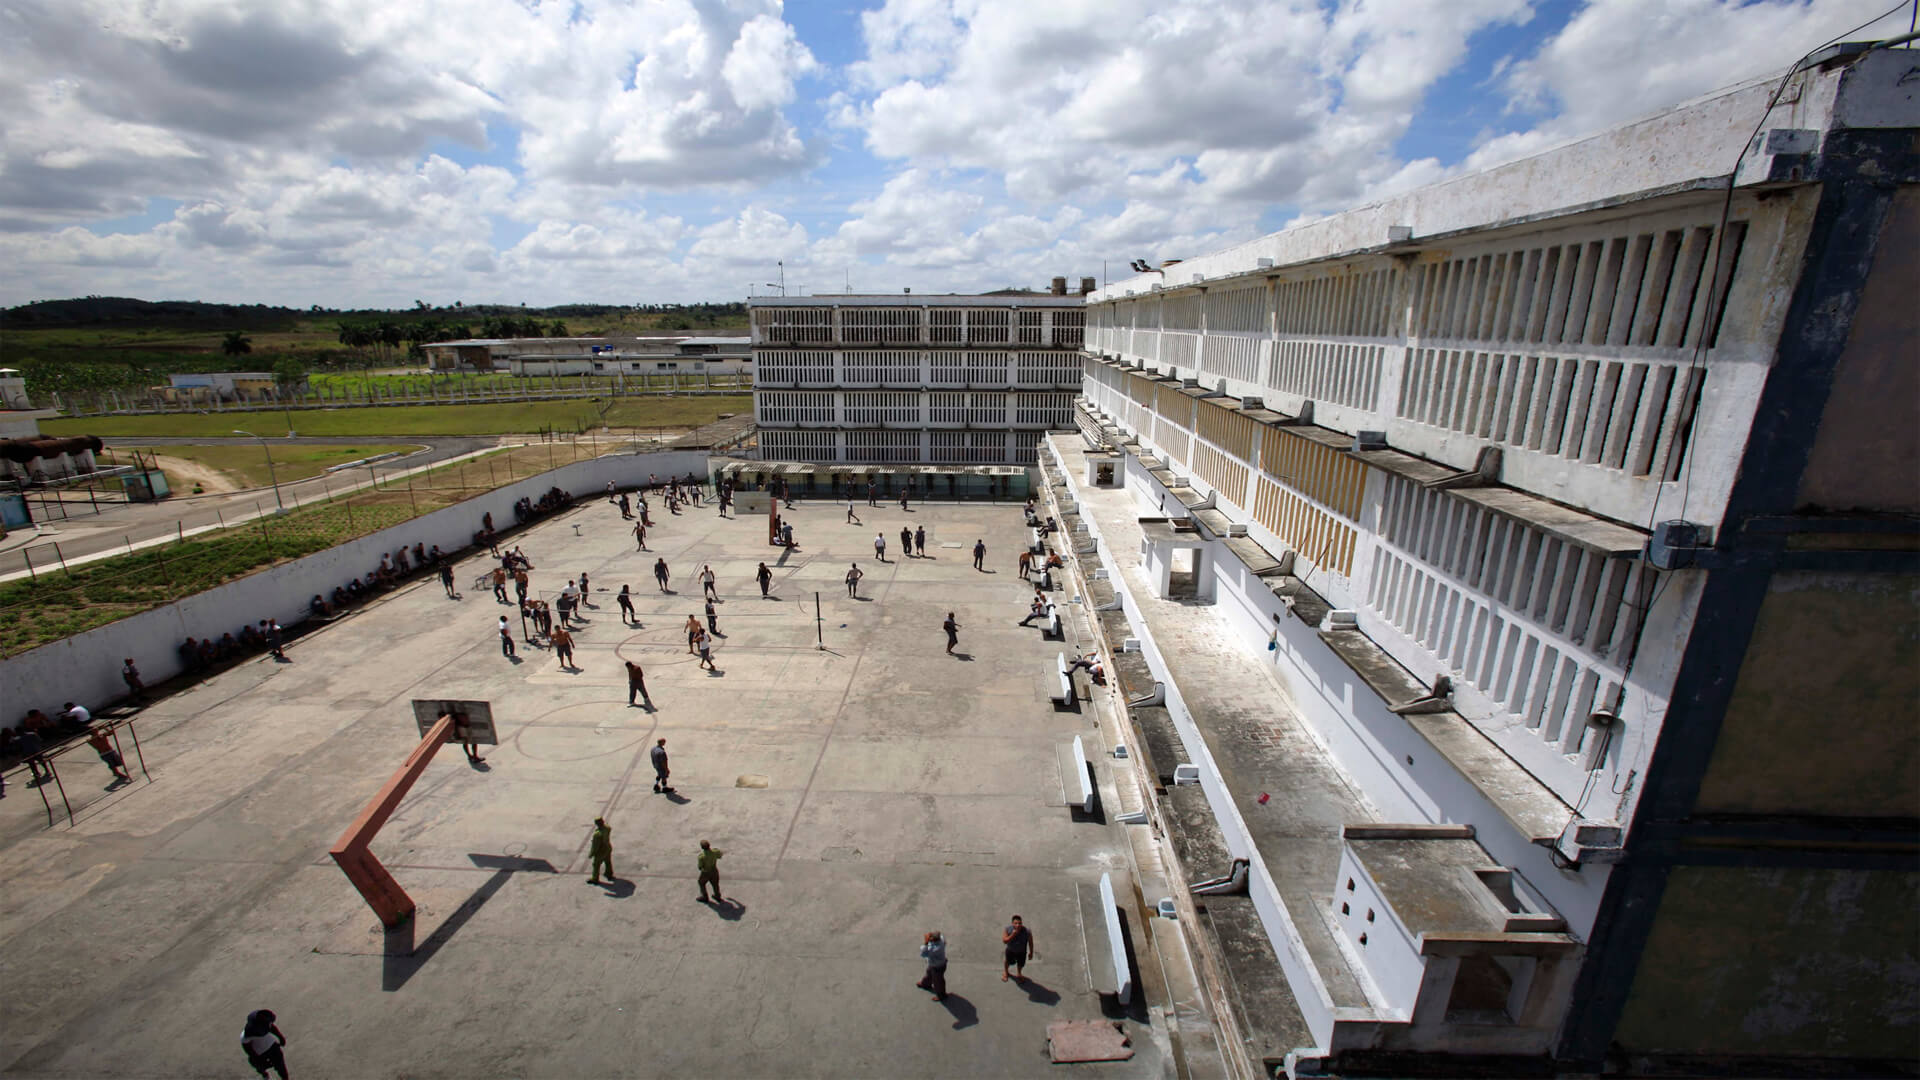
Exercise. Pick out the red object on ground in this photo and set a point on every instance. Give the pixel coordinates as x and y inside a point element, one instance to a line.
<point>383,894</point>
<point>1263,798</point>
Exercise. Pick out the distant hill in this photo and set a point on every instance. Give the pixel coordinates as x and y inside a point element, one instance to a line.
<point>169,314</point>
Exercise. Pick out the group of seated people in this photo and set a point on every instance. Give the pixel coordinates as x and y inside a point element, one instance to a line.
<point>393,569</point>
<point>36,733</point>
<point>527,509</point>
<point>253,637</point>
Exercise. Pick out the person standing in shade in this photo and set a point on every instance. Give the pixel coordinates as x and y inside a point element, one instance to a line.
<point>707,582</point>
<point>906,542</point>
<point>953,632</point>
<point>131,676</point>
<point>853,579</point>
<point>903,501</point>
<point>933,949</point>
<point>658,755</point>
<point>275,639</point>
<point>262,1040</point>
<point>979,554</point>
<point>626,507</point>
<point>1018,941</point>
<point>660,573</point>
<point>600,851</point>
<point>713,619</point>
<point>506,637</point>
<point>625,600</point>
<point>709,862</point>
<point>920,541</point>
<point>446,580</point>
<point>563,647</point>
<point>637,684</point>
<point>639,536</point>
<point>765,577</point>
<point>873,495</point>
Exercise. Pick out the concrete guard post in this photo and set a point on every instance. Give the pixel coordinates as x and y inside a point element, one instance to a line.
<point>383,894</point>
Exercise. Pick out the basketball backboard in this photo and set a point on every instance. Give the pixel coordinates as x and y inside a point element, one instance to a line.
<point>473,720</point>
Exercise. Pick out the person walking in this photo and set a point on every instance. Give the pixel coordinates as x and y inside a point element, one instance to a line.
<point>709,862</point>
<point>953,632</point>
<point>446,580</point>
<point>903,502</point>
<point>920,541</point>
<point>626,507</point>
<point>261,1039</point>
<point>625,600</point>
<point>506,637</point>
<point>658,755</point>
<point>600,851</point>
<point>853,579</point>
<point>1018,941</point>
<point>880,546</point>
<point>693,633</point>
<point>500,584</point>
<point>520,583</point>
<point>713,619</point>
<point>563,648</point>
<point>852,519</point>
<point>637,685</point>
<point>275,639</point>
<point>765,577</point>
<point>933,949</point>
<point>906,542</point>
<point>639,536</point>
<point>705,645</point>
<point>873,494</point>
<point>103,746</point>
<point>707,580</point>
<point>979,554</point>
<point>1026,563</point>
<point>660,573</point>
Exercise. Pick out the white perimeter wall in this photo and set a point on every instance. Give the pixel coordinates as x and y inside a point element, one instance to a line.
<point>86,667</point>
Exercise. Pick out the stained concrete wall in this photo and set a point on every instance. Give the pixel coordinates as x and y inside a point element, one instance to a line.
<point>1864,454</point>
<point>1822,715</point>
<point>86,667</point>
<point>1751,961</point>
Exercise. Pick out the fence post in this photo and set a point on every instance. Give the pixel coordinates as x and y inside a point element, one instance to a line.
<point>28,556</point>
<point>129,540</point>
<point>62,557</point>
<point>260,516</point>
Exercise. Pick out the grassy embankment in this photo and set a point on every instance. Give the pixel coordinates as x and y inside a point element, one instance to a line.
<point>628,414</point>
<point>246,466</point>
<point>59,604</point>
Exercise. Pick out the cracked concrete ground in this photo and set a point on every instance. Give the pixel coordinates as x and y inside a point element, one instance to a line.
<point>863,794</point>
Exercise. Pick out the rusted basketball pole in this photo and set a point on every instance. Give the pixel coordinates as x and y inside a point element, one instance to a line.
<point>383,894</point>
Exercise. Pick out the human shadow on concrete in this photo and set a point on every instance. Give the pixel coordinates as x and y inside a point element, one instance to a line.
<point>676,798</point>
<point>1036,992</point>
<point>404,957</point>
<point>729,909</point>
<point>864,599</point>
<point>964,1014</point>
<point>967,656</point>
<point>617,888</point>
<point>515,659</point>
<point>716,673</point>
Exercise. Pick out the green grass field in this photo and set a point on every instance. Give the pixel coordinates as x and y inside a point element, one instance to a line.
<point>643,413</point>
<point>246,465</point>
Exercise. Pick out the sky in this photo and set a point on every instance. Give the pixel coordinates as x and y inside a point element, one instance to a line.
<point>375,153</point>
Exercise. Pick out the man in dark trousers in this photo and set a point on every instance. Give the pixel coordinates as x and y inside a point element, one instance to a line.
<point>660,772</point>
<point>853,579</point>
<point>562,647</point>
<point>906,542</point>
<point>713,619</point>
<point>262,1040</point>
<point>979,554</point>
<point>637,684</point>
<point>506,637</point>
<point>446,580</point>
<point>765,577</point>
<point>625,600</point>
<point>920,541</point>
<point>953,632</point>
<point>1018,941</point>
<point>660,573</point>
<point>933,949</point>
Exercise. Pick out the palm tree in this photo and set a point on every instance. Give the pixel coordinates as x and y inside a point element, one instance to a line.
<point>236,343</point>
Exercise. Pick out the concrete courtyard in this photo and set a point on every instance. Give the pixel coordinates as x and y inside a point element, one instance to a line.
<point>863,794</point>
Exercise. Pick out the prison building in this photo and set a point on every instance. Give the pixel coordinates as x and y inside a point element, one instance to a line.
<point>911,380</point>
<point>1523,571</point>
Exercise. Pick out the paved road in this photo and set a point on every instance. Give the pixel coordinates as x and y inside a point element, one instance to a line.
<point>117,526</point>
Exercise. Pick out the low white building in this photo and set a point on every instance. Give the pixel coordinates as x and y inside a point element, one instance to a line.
<point>635,356</point>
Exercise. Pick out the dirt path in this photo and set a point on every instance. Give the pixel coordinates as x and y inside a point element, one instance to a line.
<point>183,474</point>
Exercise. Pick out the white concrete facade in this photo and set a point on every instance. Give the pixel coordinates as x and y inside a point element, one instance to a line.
<point>1455,417</point>
<point>914,380</point>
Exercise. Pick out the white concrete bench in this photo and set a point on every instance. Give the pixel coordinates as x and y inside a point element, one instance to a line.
<point>1116,941</point>
<point>1051,628</point>
<point>1067,696</point>
<point>1083,773</point>
<point>1036,540</point>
